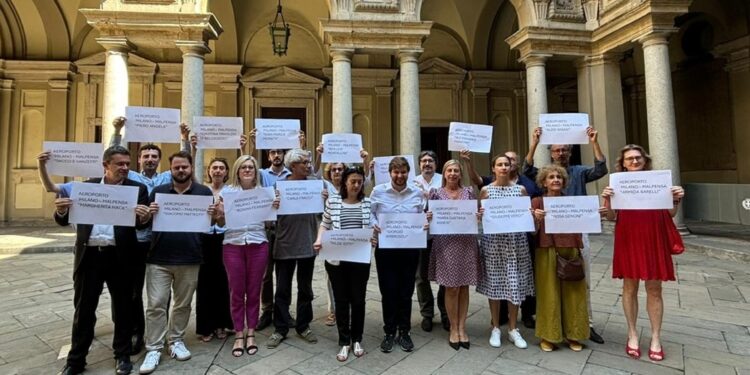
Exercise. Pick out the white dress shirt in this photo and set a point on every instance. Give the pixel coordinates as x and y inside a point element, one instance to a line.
<point>385,199</point>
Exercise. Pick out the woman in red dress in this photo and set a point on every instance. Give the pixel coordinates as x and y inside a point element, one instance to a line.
<point>642,251</point>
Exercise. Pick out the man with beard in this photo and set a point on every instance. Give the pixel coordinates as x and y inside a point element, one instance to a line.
<point>427,180</point>
<point>396,268</point>
<point>172,265</point>
<point>149,156</point>
<point>99,252</point>
<point>578,177</point>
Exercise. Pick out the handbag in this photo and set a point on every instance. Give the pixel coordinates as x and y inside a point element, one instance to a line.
<point>676,246</point>
<point>570,269</point>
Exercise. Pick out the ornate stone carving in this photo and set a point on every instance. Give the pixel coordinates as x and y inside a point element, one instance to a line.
<point>591,12</point>
<point>566,10</point>
<point>541,8</point>
<point>376,5</point>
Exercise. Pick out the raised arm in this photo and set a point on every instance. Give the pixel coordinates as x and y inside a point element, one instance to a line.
<point>528,169</point>
<point>117,124</point>
<point>476,179</point>
<point>41,164</point>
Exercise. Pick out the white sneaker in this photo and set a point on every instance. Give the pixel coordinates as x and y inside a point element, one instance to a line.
<point>515,337</point>
<point>495,338</point>
<point>179,351</point>
<point>150,362</point>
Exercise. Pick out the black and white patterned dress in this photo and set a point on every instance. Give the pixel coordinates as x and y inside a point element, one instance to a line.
<point>508,273</point>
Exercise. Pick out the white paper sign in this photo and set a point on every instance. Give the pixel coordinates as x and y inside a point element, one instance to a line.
<point>450,216</point>
<point>564,128</point>
<point>579,214</point>
<point>472,137</point>
<point>350,245</point>
<point>381,168</point>
<point>300,197</point>
<point>507,215</point>
<point>402,231</point>
<point>74,159</point>
<point>153,125</point>
<point>182,213</point>
<point>218,132</point>
<point>103,204</point>
<point>342,148</point>
<point>251,206</point>
<point>646,190</point>
<point>276,133</point>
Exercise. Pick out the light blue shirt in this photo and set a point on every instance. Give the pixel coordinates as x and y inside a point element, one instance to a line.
<point>385,199</point>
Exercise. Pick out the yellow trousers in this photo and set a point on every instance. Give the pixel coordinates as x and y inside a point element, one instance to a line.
<point>561,308</point>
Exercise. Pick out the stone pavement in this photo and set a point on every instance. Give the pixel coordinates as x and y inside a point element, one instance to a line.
<point>706,327</point>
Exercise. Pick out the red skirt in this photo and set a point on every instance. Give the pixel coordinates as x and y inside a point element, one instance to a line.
<point>642,245</point>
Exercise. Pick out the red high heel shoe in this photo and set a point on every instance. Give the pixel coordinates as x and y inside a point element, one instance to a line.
<point>656,356</point>
<point>634,353</point>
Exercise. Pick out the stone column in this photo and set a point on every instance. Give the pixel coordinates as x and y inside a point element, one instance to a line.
<point>116,82</point>
<point>737,54</point>
<point>409,126</point>
<point>192,90</point>
<point>662,129</point>
<point>383,123</point>
<point>600,95</point>
<point>342,90</point>
<point>536,99</point>
<point>7,87</point>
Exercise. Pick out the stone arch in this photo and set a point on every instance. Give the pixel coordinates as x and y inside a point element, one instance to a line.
<point>12,38</point>
<point>446,44</point>
<point>525,12</point>
<point>33,29</point>
<point>301,53</point>
<point>226,48</point>
<point>56,29</point>
<point>499,54</point>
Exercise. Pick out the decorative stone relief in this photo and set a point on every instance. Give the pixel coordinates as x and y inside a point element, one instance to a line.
<point>566,10</point>
<point>591,10</point>
<point>375,10</point>
<point>178,6</point>
<point>376,5</point>
<point>541,7</point>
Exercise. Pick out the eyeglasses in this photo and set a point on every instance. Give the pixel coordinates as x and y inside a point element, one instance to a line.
<point>427,161</point>
<point>337,169</point>
<point>358,170</point>
<point>631,159</point>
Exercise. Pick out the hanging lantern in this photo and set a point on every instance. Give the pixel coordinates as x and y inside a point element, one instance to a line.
<point>279,33</point>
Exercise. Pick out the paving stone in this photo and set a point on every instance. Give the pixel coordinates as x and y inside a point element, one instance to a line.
<point>726,292</point>
<point>630,365</point>
<point>509,366</point>
<point>713,356</point>
<point>591,369</point>
<point>697,367</point>
<point>738,344</point>
<point>279,361</point>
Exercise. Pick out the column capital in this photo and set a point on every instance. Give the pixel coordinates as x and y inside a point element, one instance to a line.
<point>59,84</point>
<point>601,59</point>
<point>737,54</point>
<point>117,44</point>
<point>654,38</point>
<point>383,91</point>
<point>7,84</point>
<point>193,48</point>
<point>480,92</point>
<point>341,54</point>
<point>409,55</point>
<point>535,59</point>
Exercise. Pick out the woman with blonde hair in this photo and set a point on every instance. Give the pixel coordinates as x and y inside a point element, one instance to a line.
<point>643,251</point>
<point>454,259</point>
<point>245,258</point>
<point>561,310</point>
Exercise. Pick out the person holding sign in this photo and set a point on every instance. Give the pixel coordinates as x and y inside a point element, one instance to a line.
<point>212,317</point>
<point>644,240</point>
<point>349,209</point>
<point>293,248</point>
<point>561,305</point>
<point>454,260</point>
<point>578,177</point>
<point>245,258</point>
<point>172,269</point>
<point>427,180</point>
<point>268,177</point>
<point>396,268</point>
<point>100,252</point>
<point>507,262</point>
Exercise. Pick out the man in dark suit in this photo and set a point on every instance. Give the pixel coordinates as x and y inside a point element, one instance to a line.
<point>100,252</point>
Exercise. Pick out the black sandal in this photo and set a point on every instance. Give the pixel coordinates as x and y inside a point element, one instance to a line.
<point>251,349</point>
<point>238,352</point>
